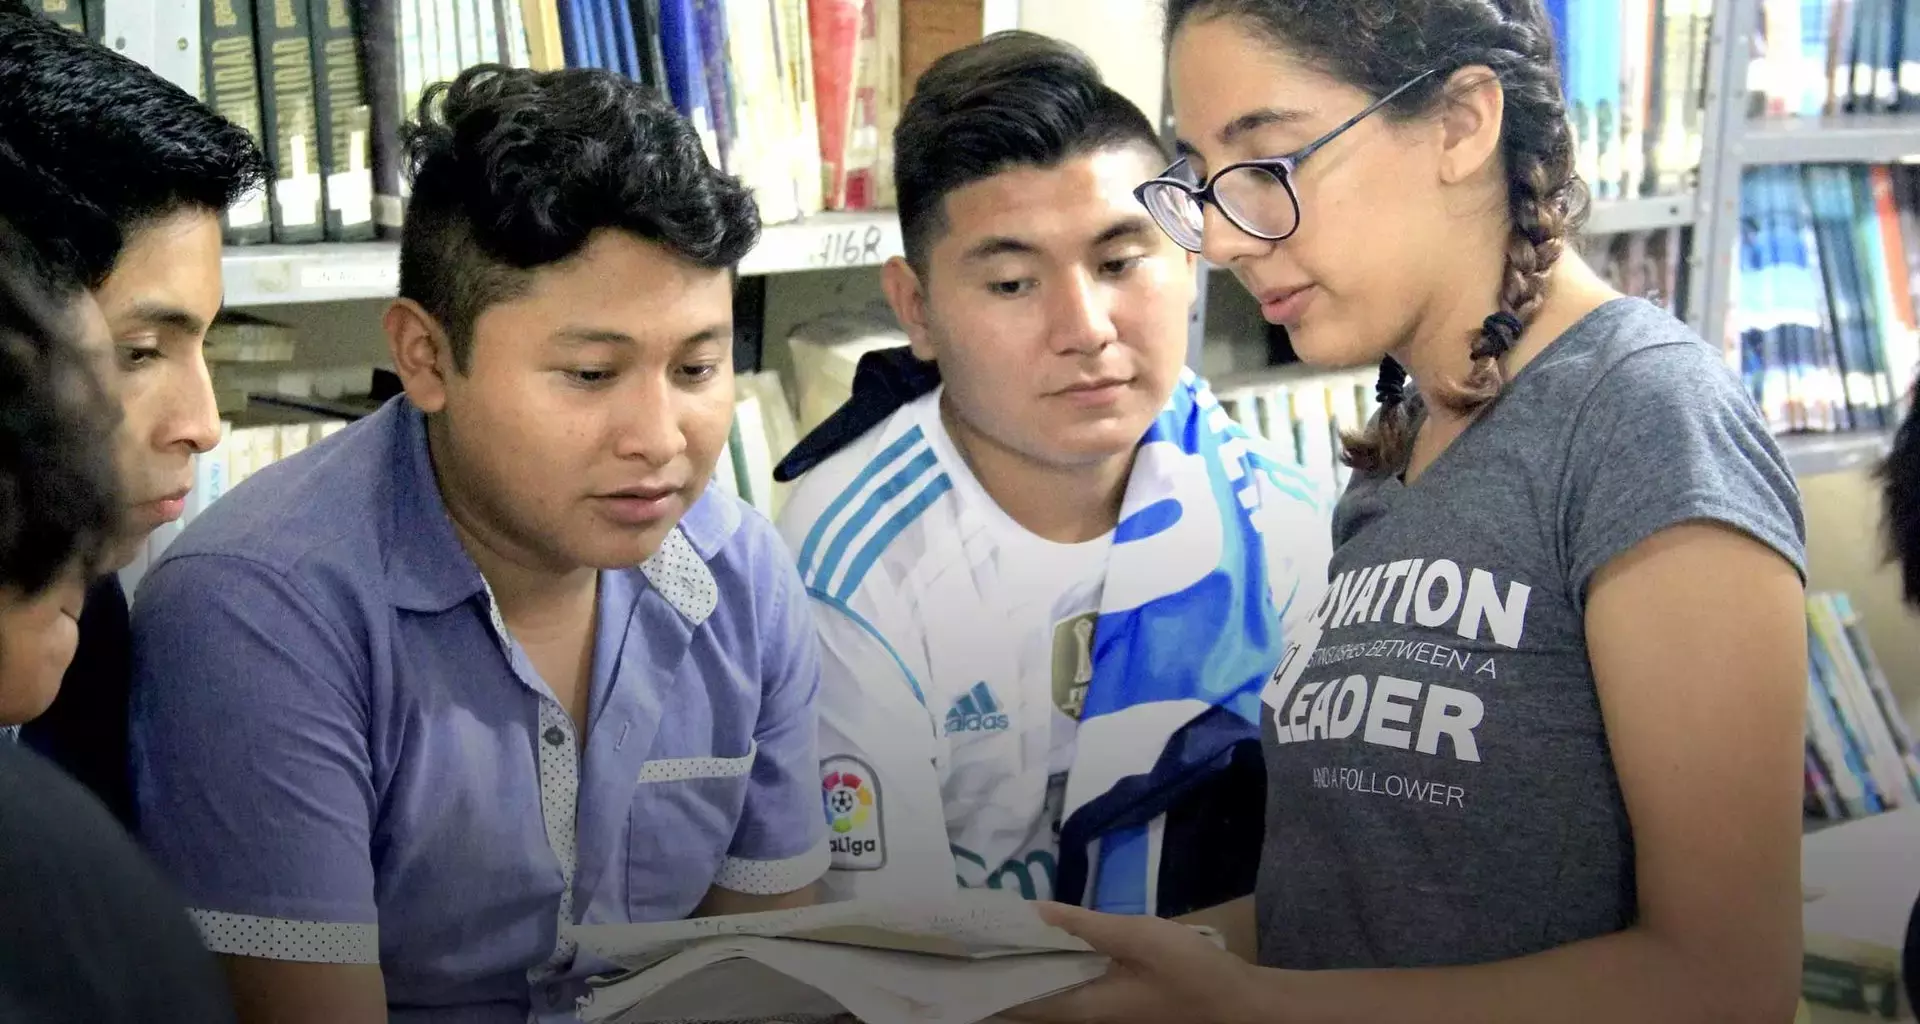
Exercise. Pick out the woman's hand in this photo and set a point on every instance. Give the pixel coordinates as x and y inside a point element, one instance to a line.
<point>1162,973</point>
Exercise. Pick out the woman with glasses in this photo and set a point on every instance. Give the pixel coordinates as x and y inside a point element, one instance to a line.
<point>1540,757</point>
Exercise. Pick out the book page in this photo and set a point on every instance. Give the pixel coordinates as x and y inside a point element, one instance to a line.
<point>711,982</point>
<point>967,924</point>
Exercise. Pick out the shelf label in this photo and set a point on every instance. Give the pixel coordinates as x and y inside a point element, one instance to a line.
<point>856,246</point>
<point>375,279</point>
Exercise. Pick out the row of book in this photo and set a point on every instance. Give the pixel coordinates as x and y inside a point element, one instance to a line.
<point>1634,72</point>
<point>1823,327</point>
<point>1861,754</point>
<point>1818,57</point>
<point>797,97</point>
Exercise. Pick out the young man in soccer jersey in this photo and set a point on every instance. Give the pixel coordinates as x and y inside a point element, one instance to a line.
<point>494,660</point>
<point>1050,587</point>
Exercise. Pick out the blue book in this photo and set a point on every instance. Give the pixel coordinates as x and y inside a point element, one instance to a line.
<point>1822,675</point>
<point>685,63</point>
<point>624,45</point>
<point>1557,13</point>
<point>1749,304</point>
<point>569,32</point>
<point>1607,69</point>
<point>711,19</point>
<point>607,41</point>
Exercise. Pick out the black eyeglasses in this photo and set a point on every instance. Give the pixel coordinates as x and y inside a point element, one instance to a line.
<point>1255,195</point>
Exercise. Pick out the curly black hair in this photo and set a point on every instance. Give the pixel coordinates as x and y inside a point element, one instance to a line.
<point>1013,99</point>
<point>59,495</point>
<point>513,170</point>
<point>94,144</point>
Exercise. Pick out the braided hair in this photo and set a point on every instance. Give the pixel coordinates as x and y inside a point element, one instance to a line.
<point>1376,45</point>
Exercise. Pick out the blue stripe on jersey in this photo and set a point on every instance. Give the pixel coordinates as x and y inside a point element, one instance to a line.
<point>876,500</point>
<point>1293,482</point>
<point>900,521</point>
<point>879,465</point>
<point>857,619</point>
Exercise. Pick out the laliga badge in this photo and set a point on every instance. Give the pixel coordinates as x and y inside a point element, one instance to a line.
<point>850,794</point>
<point>1302,641</point>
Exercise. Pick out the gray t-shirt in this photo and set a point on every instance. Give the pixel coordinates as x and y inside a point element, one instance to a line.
<point>1444,793</point>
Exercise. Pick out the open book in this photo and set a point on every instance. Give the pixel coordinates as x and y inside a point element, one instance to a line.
<point>959,959</point>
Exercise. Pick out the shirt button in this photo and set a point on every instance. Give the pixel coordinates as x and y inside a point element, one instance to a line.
<point>555,736</point>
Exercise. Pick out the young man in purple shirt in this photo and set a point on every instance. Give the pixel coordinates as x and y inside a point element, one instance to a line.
<point>495,659</point>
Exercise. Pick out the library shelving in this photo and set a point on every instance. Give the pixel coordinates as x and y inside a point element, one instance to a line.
<point>260,275</point>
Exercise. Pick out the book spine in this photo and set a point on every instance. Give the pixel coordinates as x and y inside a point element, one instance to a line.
<point>67,14</point>
<point>377,28</point>
<point>1851,987</point>
<point>94,16</point>
<point>233,90</point>
<point>344,122</point>
<point>286,52</point>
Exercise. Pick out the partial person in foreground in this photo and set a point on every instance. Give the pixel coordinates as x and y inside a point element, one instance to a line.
<point>1050,575</point>
<point>1545,759</point>
<point>90,933</point>
<point>119,179</point>
<point>495,659</point>
<point>1900,478</point>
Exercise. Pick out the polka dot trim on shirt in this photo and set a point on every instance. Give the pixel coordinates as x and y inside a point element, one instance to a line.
<point>559,796</point>
<point>559,803</point>
<point>773,877</point>
<point>682,577</point>
<point>273,938</point>
<point>682,769</point>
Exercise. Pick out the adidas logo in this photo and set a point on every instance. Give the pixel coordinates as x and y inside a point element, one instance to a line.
<point>976,711</point>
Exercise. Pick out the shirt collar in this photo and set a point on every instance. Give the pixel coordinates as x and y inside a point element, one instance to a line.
<point>427,568</point>
<point>430,571</point>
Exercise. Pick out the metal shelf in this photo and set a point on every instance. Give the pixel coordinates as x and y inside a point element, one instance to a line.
<point>1843,139</point>
<point>273,274</point>
<point>1649,213</point>
<point>1815,454</point>
<point>259,275</point>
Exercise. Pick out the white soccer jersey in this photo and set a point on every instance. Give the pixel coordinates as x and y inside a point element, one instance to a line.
<point>957,649</point>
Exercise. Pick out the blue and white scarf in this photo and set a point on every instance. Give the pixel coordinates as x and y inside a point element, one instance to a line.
<point>1187,635</point>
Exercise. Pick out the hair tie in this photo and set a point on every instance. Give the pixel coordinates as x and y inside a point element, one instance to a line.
<point>1497,335</point>
<point>1390,388</point>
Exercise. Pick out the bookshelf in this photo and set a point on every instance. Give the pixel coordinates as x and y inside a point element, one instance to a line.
<point>1735,142</point>
<point>1649,213</point>
<point>1845,139</point>
<point>1816,454</point>
<point>293,274</point>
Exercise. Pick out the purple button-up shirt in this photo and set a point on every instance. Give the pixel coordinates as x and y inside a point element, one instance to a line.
<point>343,757</point>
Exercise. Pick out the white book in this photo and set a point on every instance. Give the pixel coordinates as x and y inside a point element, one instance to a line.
<point>961,958</point>
<point>755,454</point>
<point>827,350</point>
<point>723,471</point>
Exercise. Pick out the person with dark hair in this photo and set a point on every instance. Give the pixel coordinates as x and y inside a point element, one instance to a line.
<point>58,489</point>
<point>1562,661</point>
<point>1049,574</point>
<point>89,930</point>
<point>1899,476</point>
<point>494,660</point>
<point>118,178</point>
